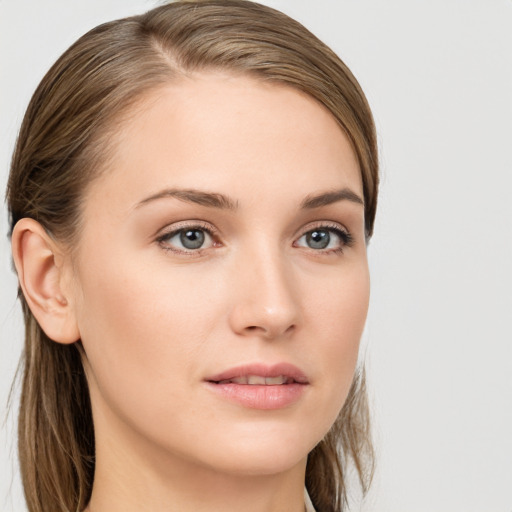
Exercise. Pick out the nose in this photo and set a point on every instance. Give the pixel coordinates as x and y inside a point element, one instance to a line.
<point>265,299</point>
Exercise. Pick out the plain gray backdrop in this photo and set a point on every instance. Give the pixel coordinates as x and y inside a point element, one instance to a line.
<point>438,342</point>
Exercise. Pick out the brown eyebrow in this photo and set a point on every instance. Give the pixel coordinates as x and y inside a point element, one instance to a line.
<point>217,200</point>
<point>327,198</point>
<point>210,199</point>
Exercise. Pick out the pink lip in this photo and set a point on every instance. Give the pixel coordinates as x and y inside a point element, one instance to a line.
<point>265,397</point>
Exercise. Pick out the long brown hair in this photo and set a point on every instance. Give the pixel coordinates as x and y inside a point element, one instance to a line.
<point>64,143</point>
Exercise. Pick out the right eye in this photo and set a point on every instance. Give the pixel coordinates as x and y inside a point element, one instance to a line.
<point>187,239</point>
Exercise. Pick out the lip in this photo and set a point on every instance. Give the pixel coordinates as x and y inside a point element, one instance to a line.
<point>256,396</point>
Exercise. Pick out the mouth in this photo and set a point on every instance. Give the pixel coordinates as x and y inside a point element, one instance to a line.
<point>258,380</point>
<point>259,386</point>
<point>261,375</point>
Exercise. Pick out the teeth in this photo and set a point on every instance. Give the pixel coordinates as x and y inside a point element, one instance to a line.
<point>272,381</point>
<point>239,380</point>
<point>254,380</point>
<point>258,380</point>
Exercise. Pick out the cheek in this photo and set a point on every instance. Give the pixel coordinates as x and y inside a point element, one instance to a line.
<point>140,332</point>
<point>338,305</point>
<point>339,315</point>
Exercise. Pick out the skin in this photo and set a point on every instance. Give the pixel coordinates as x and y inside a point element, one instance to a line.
<point>156,319</point>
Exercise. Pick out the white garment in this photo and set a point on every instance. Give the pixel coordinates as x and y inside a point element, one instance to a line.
<point>307,502</point>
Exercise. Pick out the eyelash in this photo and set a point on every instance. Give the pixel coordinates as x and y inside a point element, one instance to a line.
<point>344,235</point>
<point>175,230</point>
<point>346,239</point>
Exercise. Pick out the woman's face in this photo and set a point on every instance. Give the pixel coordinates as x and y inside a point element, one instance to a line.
<point>221,283</point>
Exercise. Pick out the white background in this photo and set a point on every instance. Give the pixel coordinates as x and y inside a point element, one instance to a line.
<point>438,75</point>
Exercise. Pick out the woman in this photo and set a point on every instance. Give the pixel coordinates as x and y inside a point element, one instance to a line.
<point>191,196</point>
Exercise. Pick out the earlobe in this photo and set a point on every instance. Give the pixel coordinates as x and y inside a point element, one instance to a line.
<point>35,257</point>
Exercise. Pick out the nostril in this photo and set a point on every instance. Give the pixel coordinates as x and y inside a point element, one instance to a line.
<point>255,329</point>
<point>268,332</point>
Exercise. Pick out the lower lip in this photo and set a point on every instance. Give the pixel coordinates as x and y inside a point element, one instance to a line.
<point>260,397</point>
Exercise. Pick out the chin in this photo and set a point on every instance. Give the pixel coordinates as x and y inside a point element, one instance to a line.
<point>266,452</point>
<point>260,463</point>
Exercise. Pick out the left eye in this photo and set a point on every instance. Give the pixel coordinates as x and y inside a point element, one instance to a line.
<point>189,239</point>
<point>324,238</point>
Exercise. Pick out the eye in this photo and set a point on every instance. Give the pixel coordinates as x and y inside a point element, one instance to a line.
<point>325,238</point>
<point>187,239</point>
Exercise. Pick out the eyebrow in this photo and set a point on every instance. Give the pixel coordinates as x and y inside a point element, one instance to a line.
<point>210,199</point>
<point>333,196</point>
<point>217,200</point>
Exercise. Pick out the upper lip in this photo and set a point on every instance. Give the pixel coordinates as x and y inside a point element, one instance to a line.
<point>287,370</point>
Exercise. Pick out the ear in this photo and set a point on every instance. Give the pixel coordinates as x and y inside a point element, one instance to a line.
<point>41,271</point>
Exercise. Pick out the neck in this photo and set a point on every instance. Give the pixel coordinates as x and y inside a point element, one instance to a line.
<point>131,475</point>
<point>184,488</point>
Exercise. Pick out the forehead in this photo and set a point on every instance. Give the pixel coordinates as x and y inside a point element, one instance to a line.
<point>228,133</point>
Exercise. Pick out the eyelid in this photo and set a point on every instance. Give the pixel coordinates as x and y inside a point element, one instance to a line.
<point>325,224</point>
<point>347,239</point>
<point>173,229</point>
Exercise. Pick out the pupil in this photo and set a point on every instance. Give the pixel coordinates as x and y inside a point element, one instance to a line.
<point>318,239</point>
<point>192,238</point>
